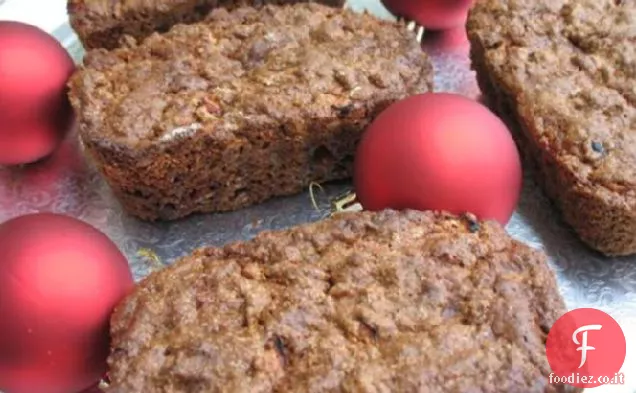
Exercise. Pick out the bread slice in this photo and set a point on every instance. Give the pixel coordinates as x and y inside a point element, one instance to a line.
<point>105,23</point>
<point>362,302</point>
<point>252,105</point>
<point>562,74</point>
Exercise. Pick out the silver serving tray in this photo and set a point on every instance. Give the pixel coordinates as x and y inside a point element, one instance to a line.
<point>69,184</point>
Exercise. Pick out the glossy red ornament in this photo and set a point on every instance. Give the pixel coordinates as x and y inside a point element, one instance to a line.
<point>35,113</point>
<point>439,151</point>
<point>60,279</point>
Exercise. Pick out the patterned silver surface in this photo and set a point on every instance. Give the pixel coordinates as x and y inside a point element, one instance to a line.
<point>68,184</point>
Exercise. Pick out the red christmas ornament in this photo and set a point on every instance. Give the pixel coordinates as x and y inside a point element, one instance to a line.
<point>432,14</point>
<point>60,279</point>
<point>35,113</point>
<point>444,20</point>
<point>439,151</point>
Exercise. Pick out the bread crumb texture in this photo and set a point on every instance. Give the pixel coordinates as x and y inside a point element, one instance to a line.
<point>562,72</point>
<point>362,302</point>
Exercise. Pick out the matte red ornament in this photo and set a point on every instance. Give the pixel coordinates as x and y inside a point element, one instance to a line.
<point>432,14</point>
<point>60,279</point>
<point>439,151</point>
<point>35,112</point>
<point>444,20</point>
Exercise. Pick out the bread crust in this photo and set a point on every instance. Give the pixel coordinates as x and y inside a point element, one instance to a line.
<point>558,72</point>
<point>105,23</point>
<point>250,105</point>
<point>388,301</point>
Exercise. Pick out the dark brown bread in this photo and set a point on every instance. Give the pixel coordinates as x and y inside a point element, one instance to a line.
<point>104,23</point>
<point>562,74</point>
<point>257,104</point>
<point>362,302</point>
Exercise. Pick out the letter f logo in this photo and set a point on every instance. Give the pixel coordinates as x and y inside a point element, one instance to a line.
<point>583,344</point>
